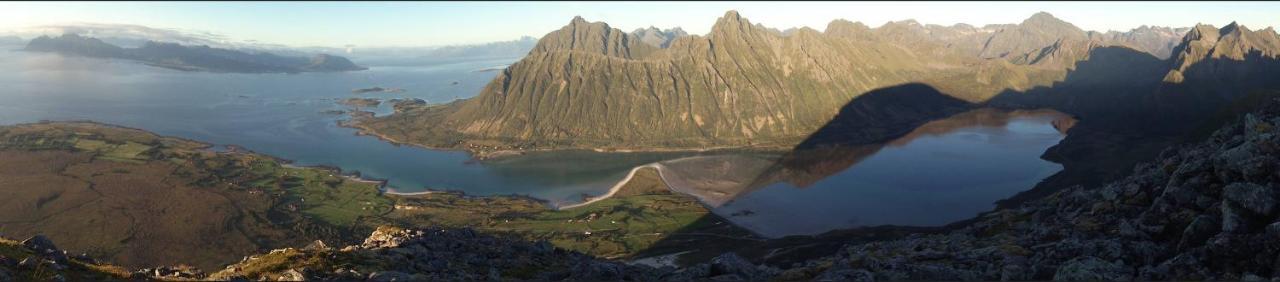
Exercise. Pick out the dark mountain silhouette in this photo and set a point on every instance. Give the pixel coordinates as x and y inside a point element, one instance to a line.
<point>194,58</point>
<point>884,114</point>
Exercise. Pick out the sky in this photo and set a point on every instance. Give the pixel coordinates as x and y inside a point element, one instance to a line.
<point>402,24</point>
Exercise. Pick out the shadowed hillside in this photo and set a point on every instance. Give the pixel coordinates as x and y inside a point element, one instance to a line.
<point>1132,105</point>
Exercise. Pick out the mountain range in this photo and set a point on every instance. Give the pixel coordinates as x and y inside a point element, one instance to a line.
<point>191,58</point>
<point>658,37</point>
<point>588,85</point>
<point>392,56</point>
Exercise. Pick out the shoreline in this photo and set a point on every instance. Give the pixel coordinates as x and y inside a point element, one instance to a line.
<point>658,166</point>
<point>498,154</point>
<point>353,123</point>
<point>391,191</point>
<point>226,149</point>
<point>617,186</point>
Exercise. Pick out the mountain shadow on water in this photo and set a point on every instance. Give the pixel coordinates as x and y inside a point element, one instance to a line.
<point>858,130</point>
<point>861,128</point>
<point>883,114</point>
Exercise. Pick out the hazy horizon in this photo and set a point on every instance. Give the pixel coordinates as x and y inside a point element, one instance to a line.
<point>401,24</point>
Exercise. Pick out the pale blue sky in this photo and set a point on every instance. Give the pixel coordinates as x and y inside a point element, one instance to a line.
<point>447,23</point>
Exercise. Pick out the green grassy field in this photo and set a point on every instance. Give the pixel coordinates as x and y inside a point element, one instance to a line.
<point>640,216</point>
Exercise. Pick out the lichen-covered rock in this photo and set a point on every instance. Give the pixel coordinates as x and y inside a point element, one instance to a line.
<point>1260,200</point>
<point>1090,268</point>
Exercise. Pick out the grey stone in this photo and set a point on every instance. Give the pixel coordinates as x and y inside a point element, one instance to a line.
<point>861,275</point>
<point>1273,231</point>
<point>1200,229</point>
<point>1232,219</point>
<point>1255,198</point>
<point>389,276</point>
<point>1089,268</point>
<point>40,244</point>
<point>292,275</point>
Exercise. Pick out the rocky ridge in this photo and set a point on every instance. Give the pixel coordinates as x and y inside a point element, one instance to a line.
<point>591,86</point>
<point>658,37</point>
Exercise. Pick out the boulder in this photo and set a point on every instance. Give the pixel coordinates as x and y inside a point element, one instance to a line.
<point>316,245</point>
<point>1089,268</point>
<point>1258,199</point>
<point>39,244</point>
<point>389,276</point>
<point>1233,219</point>
<point>1273,231</point>
<point>293,275</point>
<point>1200,229</point>
<point>731,263</point>
<point>858,275</point>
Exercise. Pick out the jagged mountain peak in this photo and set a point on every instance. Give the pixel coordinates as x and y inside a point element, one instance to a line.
<point>844,22</point>
<point>658,37</point>
<point>592,37</point>
<point>731,22</point>
<point>1232,27</point>
<point>647,29</point>
<point>1046,23</point>
<point>1042,17</point>
<point>1202,32</point>
<point>1043,20</point>
<point>902,23</point>
<point>1207,53</point>
<point>731,14</point>
<point>846,28</point>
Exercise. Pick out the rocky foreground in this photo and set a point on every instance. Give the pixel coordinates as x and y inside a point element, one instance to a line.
<point>1205,211</point>
<point>389,254</point>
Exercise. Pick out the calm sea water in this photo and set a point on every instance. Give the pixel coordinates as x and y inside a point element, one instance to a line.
<point>946,171</point>
<point>928,180</point>
<point>283,115</point>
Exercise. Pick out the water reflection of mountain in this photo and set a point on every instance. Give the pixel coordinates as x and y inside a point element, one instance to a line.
<point>719,179</point>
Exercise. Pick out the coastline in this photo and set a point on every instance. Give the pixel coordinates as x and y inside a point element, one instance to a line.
<point>497,154</point>
<point>661,175</point>
<point>618,186</point>
<point>658,166</point>
<point>391,191</point>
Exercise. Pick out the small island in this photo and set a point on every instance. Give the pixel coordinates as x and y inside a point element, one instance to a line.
<point>377,89</point>
<point>404,104</point>
<point>361,102</point>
